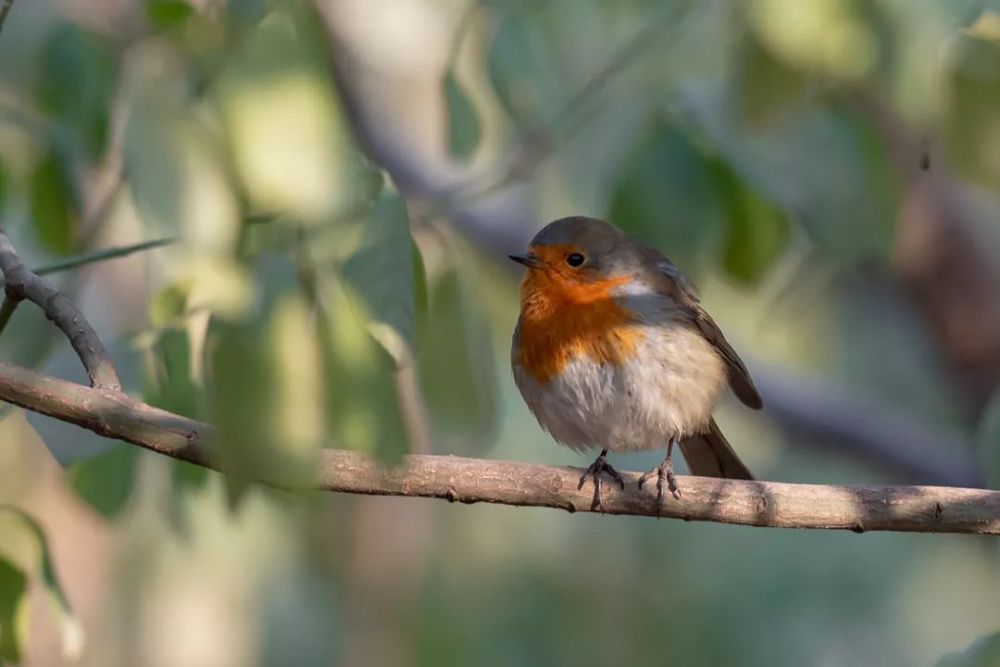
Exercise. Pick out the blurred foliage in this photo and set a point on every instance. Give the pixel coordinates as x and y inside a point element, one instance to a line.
<point>972,74</point>
<point>75,84</point>
<point>12,589</point>
<point>456,361</point>
<point>25,549</point>
<point>984,652</point>
<point>304,283</point>
<point>105,481</point>
<point>463,124</point>
<point>53,206</point>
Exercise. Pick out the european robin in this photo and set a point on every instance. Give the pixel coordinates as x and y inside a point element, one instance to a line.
<point>613,351</point>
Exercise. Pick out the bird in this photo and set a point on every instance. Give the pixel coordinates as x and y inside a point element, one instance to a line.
<point>613,351</point>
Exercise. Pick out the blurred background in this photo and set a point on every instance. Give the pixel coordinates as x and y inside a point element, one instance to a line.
<point>291,219</point>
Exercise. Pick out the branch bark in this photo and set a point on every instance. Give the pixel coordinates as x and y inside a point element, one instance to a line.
<point>21,283</point>
<point>456,479</point>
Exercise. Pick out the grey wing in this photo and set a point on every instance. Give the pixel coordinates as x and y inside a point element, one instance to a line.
<point>684,292</point>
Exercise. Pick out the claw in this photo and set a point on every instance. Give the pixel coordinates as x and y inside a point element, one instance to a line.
<point>599,466</point>
<point>664,471</point>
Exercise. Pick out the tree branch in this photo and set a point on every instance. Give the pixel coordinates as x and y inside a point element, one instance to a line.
<point>22,283</point>
<point>889,508</point>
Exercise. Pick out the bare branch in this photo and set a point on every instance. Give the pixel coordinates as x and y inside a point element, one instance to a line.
<point>889,508</point>
<point>22,283</point>
<point>103,255</point>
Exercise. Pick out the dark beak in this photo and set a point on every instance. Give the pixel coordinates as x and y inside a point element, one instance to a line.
<point>528,260</point>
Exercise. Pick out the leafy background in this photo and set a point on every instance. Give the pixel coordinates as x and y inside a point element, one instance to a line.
<point>300,296</point>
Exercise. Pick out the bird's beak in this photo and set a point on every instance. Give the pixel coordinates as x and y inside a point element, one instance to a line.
<point>529,261</point>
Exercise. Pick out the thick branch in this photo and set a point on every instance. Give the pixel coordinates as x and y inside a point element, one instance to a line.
<point>22,283</point>
<point>896,508</point>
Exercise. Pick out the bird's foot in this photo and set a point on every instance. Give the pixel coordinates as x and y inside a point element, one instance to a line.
<point>597,468</point>
<point>664,471</point>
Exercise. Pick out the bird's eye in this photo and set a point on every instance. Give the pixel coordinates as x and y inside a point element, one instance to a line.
<point>575,259</point>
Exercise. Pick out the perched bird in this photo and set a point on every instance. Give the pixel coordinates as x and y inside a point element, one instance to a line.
<point>612,351</point>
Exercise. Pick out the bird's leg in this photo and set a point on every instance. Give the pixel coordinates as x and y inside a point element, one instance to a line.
<point>664,471</point>
<point>599,466</point>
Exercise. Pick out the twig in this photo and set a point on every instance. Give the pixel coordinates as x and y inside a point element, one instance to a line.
<point>873,508</point>
<point>411,406</point>
<point>103,255</point>
<point>22,283</point>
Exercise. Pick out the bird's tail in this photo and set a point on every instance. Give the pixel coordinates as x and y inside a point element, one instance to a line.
<point>710,455</point>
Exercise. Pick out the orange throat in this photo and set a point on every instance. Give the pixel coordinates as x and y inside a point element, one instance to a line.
<point>565,320</point>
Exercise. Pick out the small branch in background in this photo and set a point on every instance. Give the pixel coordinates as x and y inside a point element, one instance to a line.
<point>924,509</point>
<point>411,406</point>
<point>22,283</point>
<point>103,255</point>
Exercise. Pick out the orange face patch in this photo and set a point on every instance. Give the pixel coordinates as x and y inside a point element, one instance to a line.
<point>568,313</point>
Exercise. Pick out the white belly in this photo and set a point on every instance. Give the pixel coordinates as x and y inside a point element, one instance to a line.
<point>639,405</point>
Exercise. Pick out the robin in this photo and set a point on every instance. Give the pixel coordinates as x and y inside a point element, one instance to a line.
<point>612,351</point>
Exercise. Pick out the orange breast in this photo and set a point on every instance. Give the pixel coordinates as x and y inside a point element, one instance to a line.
<point>562,320</point>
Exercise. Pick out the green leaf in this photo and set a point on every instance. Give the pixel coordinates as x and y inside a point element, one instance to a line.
<point>168,14</point>
<point>972,122</point>
<point>381,272</point>
<point>4,185</point>
<point>53,204</point>
<point>292,148</point>
<point>984,652</point>
<point>247,11</point>
<point>463,123</point>
<point>168,306</point>
<point>241,393</point>
<point>180,183</point>
<point>988,441</point>
<point>839,39</point>
<point>77,82</point>
<point>456,360</point>
<point>521,71</point>
<point>176,173</point>
<point>782,169</point>
<point>667,196</point>
<point>13,614</point>
<point>362,404</point>
<point>266,396</point>
<point>767,88</point>
<point>105,481</point>
<point>169,385</point>
<point>26,545</point>
<point>758,231</point>
<point>187,476</point>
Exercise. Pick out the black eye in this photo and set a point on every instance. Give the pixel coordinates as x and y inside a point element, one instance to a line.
<point>575,259</point>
